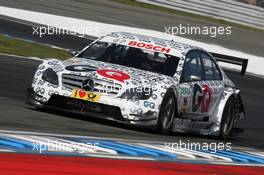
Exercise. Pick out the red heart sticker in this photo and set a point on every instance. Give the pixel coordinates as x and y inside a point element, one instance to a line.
<point>82,94</point>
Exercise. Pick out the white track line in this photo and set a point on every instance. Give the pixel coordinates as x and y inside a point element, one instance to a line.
<point>22,57</point>
<point>255,64</point>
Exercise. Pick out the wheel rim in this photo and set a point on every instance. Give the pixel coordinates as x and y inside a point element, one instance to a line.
<point>229,121</point>
<point>169,110</point>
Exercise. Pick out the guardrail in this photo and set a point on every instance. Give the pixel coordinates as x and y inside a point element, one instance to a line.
<point>233,60</point>
<point>228,10</point>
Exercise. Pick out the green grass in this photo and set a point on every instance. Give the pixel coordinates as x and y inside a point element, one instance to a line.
<point>26,48</point>
<point>192,15</point>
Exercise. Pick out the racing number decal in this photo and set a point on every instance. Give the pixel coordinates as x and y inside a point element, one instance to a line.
<point>114,74</point>
<point>202,96</point>
<point>206,98</point>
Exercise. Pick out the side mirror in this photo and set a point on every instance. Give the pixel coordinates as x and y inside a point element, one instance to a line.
<point>195,78</point>
<point>73,52</point>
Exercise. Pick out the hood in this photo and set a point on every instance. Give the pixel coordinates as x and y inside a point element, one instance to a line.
<point>114,72</point>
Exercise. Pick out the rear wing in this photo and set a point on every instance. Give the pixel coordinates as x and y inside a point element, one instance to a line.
<point>232,60</point>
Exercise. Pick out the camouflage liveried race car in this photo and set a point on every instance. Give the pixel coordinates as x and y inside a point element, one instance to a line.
<point>142,80</point>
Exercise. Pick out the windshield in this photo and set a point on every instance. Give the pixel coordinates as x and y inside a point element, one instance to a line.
<point>132,57</point>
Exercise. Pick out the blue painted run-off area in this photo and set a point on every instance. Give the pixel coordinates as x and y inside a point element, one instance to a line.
<point>125,149</point>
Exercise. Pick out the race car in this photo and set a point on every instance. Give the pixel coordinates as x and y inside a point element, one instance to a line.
<point>142,80</point>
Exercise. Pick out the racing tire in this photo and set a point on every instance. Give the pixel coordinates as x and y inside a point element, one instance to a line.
<point>227,121</point>
<point>167,113</point>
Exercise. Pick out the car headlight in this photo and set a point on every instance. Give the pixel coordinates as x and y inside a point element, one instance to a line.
<point>50,76</point>
<point>139,93</point>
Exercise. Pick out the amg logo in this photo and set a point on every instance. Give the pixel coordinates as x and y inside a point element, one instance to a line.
<point>149,46</point>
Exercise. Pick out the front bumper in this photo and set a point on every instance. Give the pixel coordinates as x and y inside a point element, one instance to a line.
<point>111,112</point>
<point>32,98</point>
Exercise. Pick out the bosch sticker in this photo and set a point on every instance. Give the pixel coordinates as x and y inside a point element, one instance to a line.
<point>149,46</point>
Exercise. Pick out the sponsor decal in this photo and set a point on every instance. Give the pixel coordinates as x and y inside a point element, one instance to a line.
<point>206,98</point>
<point>84,95</point>
<point>185,90</point>
<point>202,97</point>
<point>114,74</point>
<point>149,46</point>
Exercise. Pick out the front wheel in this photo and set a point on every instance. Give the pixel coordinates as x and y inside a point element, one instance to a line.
<point>227,121</point>
<point>167,113</point>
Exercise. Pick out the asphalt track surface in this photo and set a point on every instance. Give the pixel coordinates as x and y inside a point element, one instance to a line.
<point>16,75</point>
<point>115,13</point>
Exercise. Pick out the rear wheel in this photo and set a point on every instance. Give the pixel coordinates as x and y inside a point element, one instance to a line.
<point>167,113</point>
<point>227,121</point>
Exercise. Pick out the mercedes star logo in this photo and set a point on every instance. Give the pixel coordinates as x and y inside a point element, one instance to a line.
<point>88,85</point>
